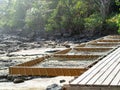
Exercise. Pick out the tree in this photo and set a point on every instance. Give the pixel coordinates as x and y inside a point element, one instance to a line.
<point>7,12</point>
<point>104,7</point>
<point>68,16</point>
<point>64,16</point>
<point>118,19</point>
<point>36,15</point>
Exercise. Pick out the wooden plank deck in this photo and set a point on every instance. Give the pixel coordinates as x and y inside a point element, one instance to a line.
<point>103,75</point>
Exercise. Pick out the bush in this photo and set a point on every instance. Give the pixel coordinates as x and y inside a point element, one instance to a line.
<point>111,25</point>
<point>118,23</point>
<point>93,24</point>
<point>93,21</point>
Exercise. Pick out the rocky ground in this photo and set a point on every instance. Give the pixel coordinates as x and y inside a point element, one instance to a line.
<point>15,50</point>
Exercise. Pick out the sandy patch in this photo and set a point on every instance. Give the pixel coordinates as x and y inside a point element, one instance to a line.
<point>35,84</point>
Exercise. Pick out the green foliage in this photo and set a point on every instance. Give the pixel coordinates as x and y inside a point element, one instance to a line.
<point>64,16</point>
<point>118,18</point>
<point>118,23</point>
<point>93,21</point>
<point>6,11</point>
<point>68,16</point>
<point>117,2</point>
<point>36,15</point>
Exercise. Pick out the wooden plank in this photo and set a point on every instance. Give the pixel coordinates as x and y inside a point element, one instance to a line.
<point>33,62</point>
<point>77,87</point>
<point>119,82</point>
<point>109,40</point>
<point>112,75</point>
<point>92,49</point>
<point>116,79</point>
<point>46,71</point>
<point>80,78</point>
<point>99,71</point>
<point>77,56</point>
<point>63,51</point>
<point>113,37</point>
<point>13,70</point>
<point>103,72</point>
<point>92,74</point>
<point>104,44</point>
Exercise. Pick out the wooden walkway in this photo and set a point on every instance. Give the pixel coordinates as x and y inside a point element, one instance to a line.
<point>105,75</point>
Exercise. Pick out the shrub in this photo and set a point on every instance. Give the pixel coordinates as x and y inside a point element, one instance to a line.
<point>93,21</point>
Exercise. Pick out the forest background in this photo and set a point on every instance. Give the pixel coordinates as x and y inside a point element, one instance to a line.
<point>60,18</point>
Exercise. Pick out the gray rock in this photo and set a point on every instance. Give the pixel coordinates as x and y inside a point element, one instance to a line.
<point>54,87</point>
<point>3,80</point>
<point>67,46</point>
<point>13,77</point>
<point>66,35</point>
<point>28,78</point>
<point>2,52</point>
<point>3,76</point>
<point>62,81</point>
<point>10,77</point>
<point>18,80</point>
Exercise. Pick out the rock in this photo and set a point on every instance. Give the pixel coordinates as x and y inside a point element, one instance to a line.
<point>3,76</point>
<point>23,45</point>
<point>18,80</point>
<point>84,40</point>
<point>52,51</point>
<point>2,52</point>
<point>2,46</point>
<point>67,46</point>
<point>10,42</point>
<point>13,77</point>
<point>58,35</point>
<point>54,87</point>
<point>9,55</point>
<point>10,77</point>
<point>3,80</point>
<point>28,78</point>
<point>66,35</point>
<point>62,81</point>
